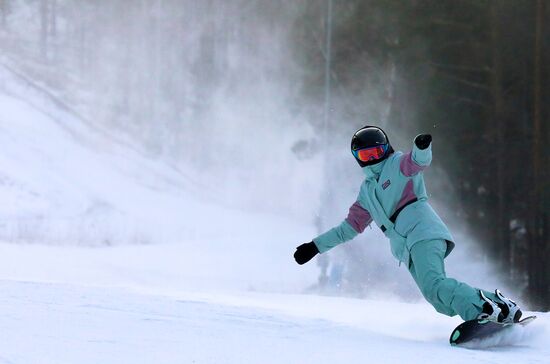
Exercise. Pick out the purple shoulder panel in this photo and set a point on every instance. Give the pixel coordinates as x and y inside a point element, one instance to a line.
<point>358,217</point>
<point>409,167</point>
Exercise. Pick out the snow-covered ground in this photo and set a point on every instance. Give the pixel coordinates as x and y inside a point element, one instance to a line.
<point>108,256</point>
<point>65,323</point>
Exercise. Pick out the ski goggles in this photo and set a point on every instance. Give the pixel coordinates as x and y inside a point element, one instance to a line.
<point>371,154</point>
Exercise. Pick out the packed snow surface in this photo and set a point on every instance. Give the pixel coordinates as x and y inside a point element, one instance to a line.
<point>111,257</point>
<point>75,322</point>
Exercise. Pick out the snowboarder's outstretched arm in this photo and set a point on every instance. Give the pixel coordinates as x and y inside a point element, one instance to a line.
<point>419,157</point>
<point>356,222</point>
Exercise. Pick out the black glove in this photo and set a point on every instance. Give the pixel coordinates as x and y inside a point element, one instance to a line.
<point>423,141</point>
<point>305,252</point>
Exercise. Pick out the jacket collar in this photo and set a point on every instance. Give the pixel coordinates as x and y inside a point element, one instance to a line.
<point>373,172</point>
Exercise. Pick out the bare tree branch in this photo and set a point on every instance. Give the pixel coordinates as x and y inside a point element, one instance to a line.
<point>461,68</point>
<point>463,81</point>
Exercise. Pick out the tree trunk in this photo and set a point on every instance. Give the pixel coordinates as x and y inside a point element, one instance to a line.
<point>3,10</point>
<point>539,290</point>
<point>44,22</point>
<point>53,18</point>
<point>501,245</point>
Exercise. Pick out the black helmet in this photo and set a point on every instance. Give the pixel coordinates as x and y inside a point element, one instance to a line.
<point>370,145</point>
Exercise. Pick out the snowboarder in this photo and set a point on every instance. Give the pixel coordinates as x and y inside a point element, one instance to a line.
<point>393,195</point>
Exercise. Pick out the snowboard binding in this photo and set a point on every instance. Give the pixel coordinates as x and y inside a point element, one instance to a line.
<point>503,310</point>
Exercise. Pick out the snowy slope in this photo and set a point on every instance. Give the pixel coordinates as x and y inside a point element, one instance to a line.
<point>135,304</point>
<point>55,323</point>
<point>64,183</point>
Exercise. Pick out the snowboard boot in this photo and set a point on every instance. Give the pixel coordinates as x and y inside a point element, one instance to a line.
<point>490,310</point>
<point>510,310</point>
<point>503,310</point>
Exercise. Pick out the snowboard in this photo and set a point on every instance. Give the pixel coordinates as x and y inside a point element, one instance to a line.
<point>470,331</point>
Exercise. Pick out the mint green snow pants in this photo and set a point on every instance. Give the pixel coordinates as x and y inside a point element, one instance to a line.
<point>448,296</point>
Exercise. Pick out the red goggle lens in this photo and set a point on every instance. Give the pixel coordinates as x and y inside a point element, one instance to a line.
<point>370,154</point>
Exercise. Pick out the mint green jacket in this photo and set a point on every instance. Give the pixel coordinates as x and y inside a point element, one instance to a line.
<point>388,186</point>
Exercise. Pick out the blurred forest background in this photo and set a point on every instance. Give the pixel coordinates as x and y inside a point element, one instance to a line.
<point>473,73</point>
